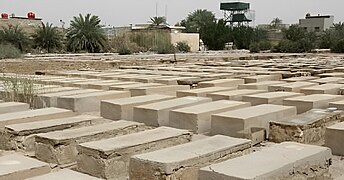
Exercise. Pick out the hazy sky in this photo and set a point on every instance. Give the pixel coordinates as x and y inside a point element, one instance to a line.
<point>124,12</point>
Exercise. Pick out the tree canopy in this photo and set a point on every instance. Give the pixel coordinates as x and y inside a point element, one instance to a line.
<point>47,37</point>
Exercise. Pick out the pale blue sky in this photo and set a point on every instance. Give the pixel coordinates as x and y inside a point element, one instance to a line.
<point>124,12</point>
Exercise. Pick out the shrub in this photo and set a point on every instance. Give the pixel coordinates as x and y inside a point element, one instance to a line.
<point>122,45</point>
<point>9,51</point>
<point>165,48</point>
<point>183,46</point>
<point>265,45</point>
<point>338,47</point>
<point>254,47</point>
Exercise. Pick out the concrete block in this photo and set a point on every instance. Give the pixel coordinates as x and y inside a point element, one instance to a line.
<point>260,85</point>
<point>127,87</point>
<point>291,87</point>
<point>221,83</point>
<point>166,90</point>
<point>327,80</point>
<point>172,80</point>
<point>103,85</point>
<point>147,78</point>
<point>184,161</point>
<point>33,115</point>
<point>306,103</point>
<point>9,107</point>
<point>64,174</point>
<point>16,166</point>
<point>337,104</point>
<point>301,78</point>
<point>123,108</point>
<point>157,114</point>
<point>109,158</point>
<point>307,128</point>
<point>22,136</point>
<point>323,89</point>
<point>88,102</point>
<point>262,78</point>
<point>287,160</point>
<point>238,123</point>
<point>59,147</point>
<point>269,98</point>
<point>198,118</point>
<point>202,92</point>
<point>50,99</point>
<point>334,138</point>
<point>235,95</point>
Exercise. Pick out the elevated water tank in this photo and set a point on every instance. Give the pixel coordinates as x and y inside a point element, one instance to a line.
<point>31,15</point>
<point>4,16</point>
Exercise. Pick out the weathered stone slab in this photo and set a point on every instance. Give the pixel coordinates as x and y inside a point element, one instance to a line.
<point>109,158</point>
<point>337,104</point>
<point>306,103</point>
<point>262,78</point>
<point>59,147</point>
<point>323,89</point>
<point>221,83</point>
<point>9,107</point>
<point>202,92</point>
<point>33,115</point>
<point>88,102</point>
<point>301,78</point>
<point>147,78</point>
<point>157,114</point>
<point>22,136</point>
<point>64,174</point>
<point>307,128</point>
<point>166,90</point>
<point>260,85</point>
<point>269,98</point>
<point>198,118</point>
<point>327,80</point>
<point>183,161</point>
<point>127,87</point>
<point>287,160</point>
<point>50,99</point>
<point>83,84</point>
<point>291,87</point>
<point>238,123</point>
<point>15,166</point>
<point>334,138</point>
<point>117,109</point>
<point>103,85</point>
<point>334,74</point>
<point>172,80</point>
<point>235,95</point>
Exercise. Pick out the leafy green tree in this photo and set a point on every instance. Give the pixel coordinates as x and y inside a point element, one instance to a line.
<point>276,23</point>
<point>47,37</point>
<point>198,20</point>
<point>86,34</point>
<point>216,35</point>
<point>158,20</point>
<point>14,35</point>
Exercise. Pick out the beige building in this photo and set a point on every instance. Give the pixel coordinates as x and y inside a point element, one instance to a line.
<point>27,24</point>
<point>316,23</point>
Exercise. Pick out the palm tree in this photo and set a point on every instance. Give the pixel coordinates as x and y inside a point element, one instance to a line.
<point>47,37</point>
<point>276,23</point>
<point>85,34</point>
<point>15,36</point>
<point>158,20</point>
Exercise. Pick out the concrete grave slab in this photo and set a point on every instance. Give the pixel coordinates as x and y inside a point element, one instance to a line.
<point>123,108</point>
<point>88,102</point>
<point>16,166</point>
<point>306,103</point>
<point>287,160</point>
<point>327,80</point>
<point>260,85</point>
<point>301,78</point>
<point>166,90</point>
<point>291,87</point>
<point>198,118</point>
<point>235,95</point>
<point>9,107</point>
<point>127,87</point>
<point>221,83</point>
<point>64,174</point>
<point>22,136</point>
<point>238,123</point>
<point>33,115</point>
<point>307,128</point>
<point>109,158</point>
<point>59,147</point>
<point>334,138</point>
<point>323,89</point>
<point>183,161</point>
<point>269,98</point>
<point>157,114</point>
<point>202,92</point>
<point>261,78</point>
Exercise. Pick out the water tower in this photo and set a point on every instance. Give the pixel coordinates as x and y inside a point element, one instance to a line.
<point>237,13</point>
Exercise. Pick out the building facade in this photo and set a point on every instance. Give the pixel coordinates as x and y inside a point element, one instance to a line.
<point>316,23</point>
